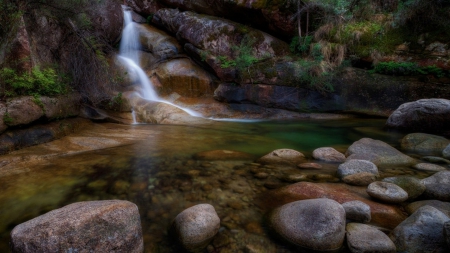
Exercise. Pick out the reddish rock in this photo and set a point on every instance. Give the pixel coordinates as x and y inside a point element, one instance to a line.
<point>387,216</point>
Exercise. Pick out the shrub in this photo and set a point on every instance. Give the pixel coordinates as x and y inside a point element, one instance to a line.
<point>407,69</point>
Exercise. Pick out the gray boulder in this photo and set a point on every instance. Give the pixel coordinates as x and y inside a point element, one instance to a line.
<point>424,115</point>
<point>328,154</point>
<point>413,186</point>
<point>357,172</point>
<point>446,152</point>
<point>387,192</point>
<point>357,211</point>
<point>94,226</point>
<point>424,143</point>
<point>363,238</point>
<point>428,167</point>
<point>196,226</point>
<point>283,157</point>
<point>444,207</point>
<point>378,152</point>
<point>316,224</point>
<point>447,233</point>
<point>422,232</point>
<point>438,186</point>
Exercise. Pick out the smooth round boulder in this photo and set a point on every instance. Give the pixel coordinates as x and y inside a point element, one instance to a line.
<point>328,154</point>
<point>282,157</point>
<point>363,238</point>
<point>315,224</point>
<point>196,226</point>
<point>413,186</point>
<point>352,167</point>
<point>446,152</point>
<point>93,226</point>
<point>387,192</point>
<point>424,143</point>
<point>422,232</point>
<point>357,211</point>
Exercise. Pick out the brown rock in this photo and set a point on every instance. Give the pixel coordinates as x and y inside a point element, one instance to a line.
<point>328,154</point>
<point>309,166</point>
<point>62,106</point>
<point>95,226</point>
<point>23,110</point>
<point>282,157</point>
<point>360,179</point>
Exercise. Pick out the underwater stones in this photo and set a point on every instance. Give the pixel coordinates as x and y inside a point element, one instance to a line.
<point>94,226</point>
<point>328,154</point>
<point>196,226</point>
<point>424,115</point>
<point>378,152</point>
<point>422,232</point>
<point>428,167</point>
<point>317,224</point>
<point>424,143</point>
<point>357,211</point>
<point>363,238</point>
<point>387,192</point>
<point>357,172</point>
<point>216,155</point>
<point>282,157</point>
<point>413,186</point>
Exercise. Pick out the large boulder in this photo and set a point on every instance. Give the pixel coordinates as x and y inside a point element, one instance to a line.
<point>378,152</point>
<point>196,226</point>
<point>316,224</point>
<point>95,226</point>
<point>22,111</point>
<point>424,143</point>
<point>446,152</point>
<point>363,238</point>
<point>438,186</point>
<point>328,154</point>
<point>422,232</point>
<point>424,115</point>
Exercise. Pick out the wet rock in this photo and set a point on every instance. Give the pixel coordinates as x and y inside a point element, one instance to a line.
<point>357,211</point>
<point>23,110</point>
<point>161,45</point>
<point>363,238</point>
<point>357,172</point>
<point>424,115</point>
<point>360,179</point>
<point>446,152</point>
<point>309,166</point>
<point>317,224</point>
<point>434,159</point>
<point>328,154</point>
<point>220,155</point>
<point>382,214</point>
<point>428,167</point>
<point>444,207</point>
<point>387,192</point>
<point>424,143</point>
<point>378,152</point>
<point>421,232</point>
<point>413,186</point>
<point>95,226</point>
<point>196,226</point>
<point>282,157</point>
<point>438,186</point>
<point>437,49</point>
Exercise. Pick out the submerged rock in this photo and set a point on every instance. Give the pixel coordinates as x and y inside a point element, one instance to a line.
<point>363,238</point>
<point>422,232</point>
<point>95,226</point>
<point>387,192</point>
<point>196,226</point>
<point>317,224</point>
<point>282,157</point>
<point>424,143</point>
<point>328,154</point>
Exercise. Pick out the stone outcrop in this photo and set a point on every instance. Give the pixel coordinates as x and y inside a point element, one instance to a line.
<point>96,226</point>
<point>424,115</point>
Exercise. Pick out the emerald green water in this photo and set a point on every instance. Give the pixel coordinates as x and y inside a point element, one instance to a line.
<point>158,173</point>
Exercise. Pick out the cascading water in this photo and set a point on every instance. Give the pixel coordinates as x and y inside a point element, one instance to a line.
<point>130,57</point>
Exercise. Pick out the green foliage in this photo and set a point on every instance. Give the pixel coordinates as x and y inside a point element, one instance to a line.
<point>313,74</point>
<point>244,51</point>
<point>300,46</point>
<point>39,82</point>
<point>116,102</point>
<point>407,69</point>
<point>225,62</point>
<point>37,100</point>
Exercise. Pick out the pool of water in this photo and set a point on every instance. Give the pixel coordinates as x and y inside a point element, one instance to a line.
<point>159,174</point>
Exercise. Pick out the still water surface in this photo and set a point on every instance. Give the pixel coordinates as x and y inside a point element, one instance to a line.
<point>159,174</point>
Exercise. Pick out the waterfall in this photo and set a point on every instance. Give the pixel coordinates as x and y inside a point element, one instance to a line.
<point>130,57</point>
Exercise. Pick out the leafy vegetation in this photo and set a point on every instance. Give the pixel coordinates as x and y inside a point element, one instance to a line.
<point>407,69</point>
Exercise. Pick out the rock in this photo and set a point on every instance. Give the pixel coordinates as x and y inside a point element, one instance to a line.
<point>422,232</point>
<point>438,186</point>
<point>424,115</point>
<point>444,207</point>
<point>357,211</point>
<point>424,143</point>
<point>3,125</point>
<point>387,192</point>
<point>19,55</point>
<point>196,226</point>
<point>428,167</point>
<point>315,166</point>
<point>446,152</point>
<point>434,159</point>
<point>378,152</point>
<point>107,20</point>
<point>437,49</point>
<point>360,179</point>
<point>382,214</point>
<point>317,224</point>
<point>413,186</point>
<point>356,166</point>
<point>363,238</point>
<point>220,155</point>
<point>161,45</point>
<point>447,233</point>
<point>63,106</point>
<point>144,7</point>
<point>328,154</point>
<point>22,111</point>
<point>282,157</point>
<point>94,226</point>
